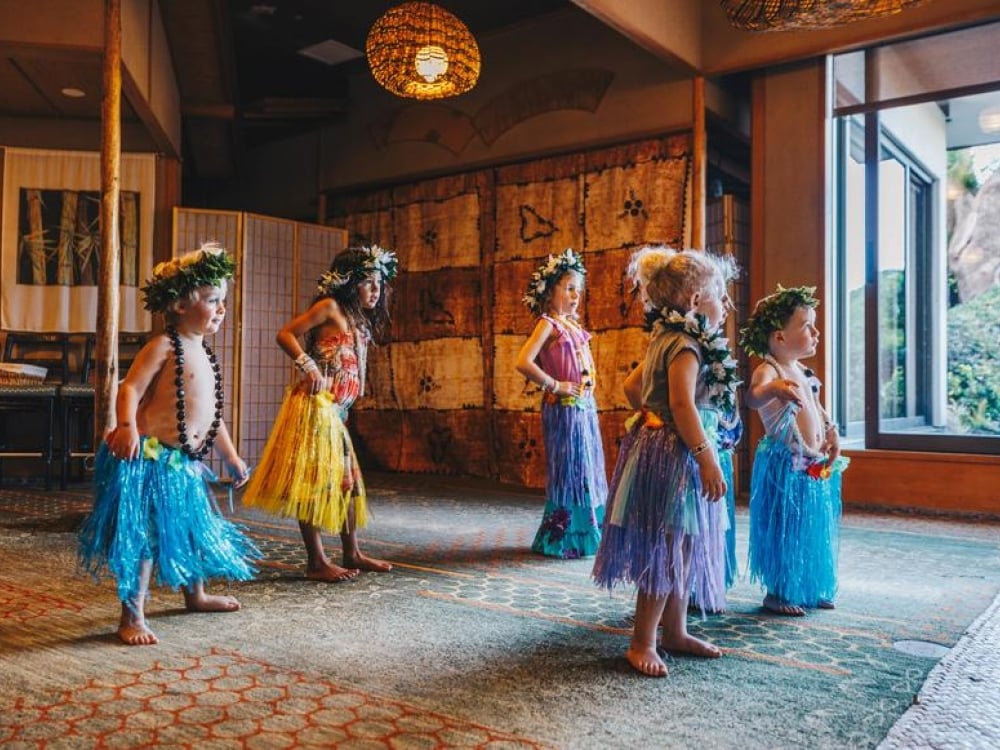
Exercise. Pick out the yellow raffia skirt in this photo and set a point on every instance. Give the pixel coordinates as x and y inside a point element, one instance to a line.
<point>301,474</point>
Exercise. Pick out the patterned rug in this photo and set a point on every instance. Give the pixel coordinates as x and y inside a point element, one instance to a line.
<point>471,641</point>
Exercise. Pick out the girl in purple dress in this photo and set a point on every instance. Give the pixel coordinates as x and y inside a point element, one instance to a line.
<point>558,359</point>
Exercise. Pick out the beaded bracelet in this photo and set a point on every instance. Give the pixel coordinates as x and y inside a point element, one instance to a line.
<point>306,364</point>
<point>700,448</point>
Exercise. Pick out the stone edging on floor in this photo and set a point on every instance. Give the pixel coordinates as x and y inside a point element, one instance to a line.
<point>959,704</point>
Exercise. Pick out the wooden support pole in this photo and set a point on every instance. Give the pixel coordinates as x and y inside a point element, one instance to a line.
<point>699,158</point>
<point>106,349</point>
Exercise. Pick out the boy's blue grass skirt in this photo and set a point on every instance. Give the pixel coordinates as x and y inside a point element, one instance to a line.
<point>576,483</point>
<point>159,507</point>
<point>794,527</point>
<point>660,534</point>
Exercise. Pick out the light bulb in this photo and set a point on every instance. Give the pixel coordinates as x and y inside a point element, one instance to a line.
<point>431,62</point>
<point>989,120</point>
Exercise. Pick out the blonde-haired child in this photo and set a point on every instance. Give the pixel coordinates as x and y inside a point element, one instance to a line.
<point>153,508</point>
<point>663,532</point>
<point>724,427</point>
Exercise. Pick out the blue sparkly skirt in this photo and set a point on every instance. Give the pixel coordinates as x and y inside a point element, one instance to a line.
<point>794,526</point>
<point>159,508</point>
<point>724,435</point>
<point>576,484</point>
<point>660,534</point>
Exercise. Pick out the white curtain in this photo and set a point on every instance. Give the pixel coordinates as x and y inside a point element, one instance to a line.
<point>64,301</point>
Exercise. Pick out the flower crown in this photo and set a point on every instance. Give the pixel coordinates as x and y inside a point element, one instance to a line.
<point>376,260</point>
<point>772,314</point>
<point>548,275</point>
<point>177,278</point>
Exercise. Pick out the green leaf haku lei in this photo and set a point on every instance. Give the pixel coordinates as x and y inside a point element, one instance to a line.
<point>772,314</point>
<point>177,278</point>
<point>719,369</point>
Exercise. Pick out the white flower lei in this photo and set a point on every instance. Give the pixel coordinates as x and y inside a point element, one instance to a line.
<point>719,369</point>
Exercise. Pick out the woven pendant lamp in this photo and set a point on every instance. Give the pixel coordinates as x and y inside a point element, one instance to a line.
<point>780,15</point>
<point>421,51</point>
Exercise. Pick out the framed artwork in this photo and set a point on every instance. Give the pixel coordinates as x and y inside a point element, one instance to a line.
<point>51,239</point>
<point>60,237</point>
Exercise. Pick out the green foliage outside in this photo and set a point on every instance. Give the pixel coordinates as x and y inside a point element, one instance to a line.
<point>973,341</point>
<point>892,348</point>
<point>973,371</point>
<point>961,170</point>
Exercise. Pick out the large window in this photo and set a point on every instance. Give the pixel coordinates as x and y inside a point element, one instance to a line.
<point>917,267</point>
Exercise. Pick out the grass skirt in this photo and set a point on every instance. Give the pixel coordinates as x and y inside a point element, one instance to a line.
<point>660,534</point>
<point>794,527</point>
<point>576,484</point>
<point>301,472</point>
<point>724,569</point>
<point>159,508</point>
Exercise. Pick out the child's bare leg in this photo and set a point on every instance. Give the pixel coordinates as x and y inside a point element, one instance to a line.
<point>779,606</point>
<point>196,599</point>
<point>132,629</point>
<point>318,565</point>
<point>675,637</point>
<point>641,652</point>
<point>353,556</point>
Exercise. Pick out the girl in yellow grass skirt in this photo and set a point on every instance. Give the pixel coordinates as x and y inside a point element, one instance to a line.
<point>309,470</point>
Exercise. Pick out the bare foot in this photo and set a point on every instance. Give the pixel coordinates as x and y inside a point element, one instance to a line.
<point>825,604</point>
<point>694,609</point>
<point>780,607</point>
<point>133,631</point>
<point>331,573</point>
<point>646,661</point>
<point>688,644</point>
<point>363,562</point>
<point>203,602</point>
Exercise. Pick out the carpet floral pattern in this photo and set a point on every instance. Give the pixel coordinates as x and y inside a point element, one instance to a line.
<point>471,641</point>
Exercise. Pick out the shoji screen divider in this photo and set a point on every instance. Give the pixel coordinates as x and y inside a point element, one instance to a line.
<point>277,264</point>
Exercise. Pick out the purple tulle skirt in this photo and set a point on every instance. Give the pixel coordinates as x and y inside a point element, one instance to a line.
<point>660,534</point>
<point>576,486</point>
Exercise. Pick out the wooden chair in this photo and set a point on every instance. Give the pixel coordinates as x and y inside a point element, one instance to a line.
<point>49,350</point>
<point>76,402</point>
<point>24,401</point>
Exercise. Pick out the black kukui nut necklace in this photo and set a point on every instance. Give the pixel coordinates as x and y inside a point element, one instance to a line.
<point>175,343</point>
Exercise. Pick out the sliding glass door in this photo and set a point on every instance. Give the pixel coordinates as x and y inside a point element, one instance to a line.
<point>917,270</point>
